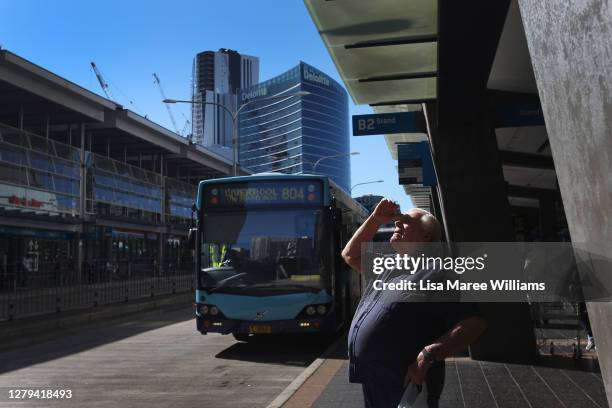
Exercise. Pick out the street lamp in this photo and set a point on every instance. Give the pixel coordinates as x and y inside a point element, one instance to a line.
<point>314,167</point>
<point>365,182</point>
<point>234,116</point>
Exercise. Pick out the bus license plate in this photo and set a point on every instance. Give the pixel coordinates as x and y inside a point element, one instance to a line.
<point>260,329</point>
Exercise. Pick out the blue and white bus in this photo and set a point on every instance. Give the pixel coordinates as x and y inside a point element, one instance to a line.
<point>268,255</point>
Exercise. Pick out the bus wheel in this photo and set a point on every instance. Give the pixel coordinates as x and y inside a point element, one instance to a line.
<point>241,336</point>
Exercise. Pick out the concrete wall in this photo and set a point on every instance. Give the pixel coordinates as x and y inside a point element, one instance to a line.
<point>570,43</point>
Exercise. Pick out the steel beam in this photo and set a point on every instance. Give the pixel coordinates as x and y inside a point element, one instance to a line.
<point>534,161</point>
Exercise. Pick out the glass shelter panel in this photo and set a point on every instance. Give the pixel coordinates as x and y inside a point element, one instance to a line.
<point>37,175</point>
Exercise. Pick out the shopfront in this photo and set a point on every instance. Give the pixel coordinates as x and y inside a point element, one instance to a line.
<point>178,258</point>
<point>133,253</point>
<point>36,258</point>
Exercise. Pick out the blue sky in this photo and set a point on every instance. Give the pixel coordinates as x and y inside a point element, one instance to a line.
<point>129,40</point>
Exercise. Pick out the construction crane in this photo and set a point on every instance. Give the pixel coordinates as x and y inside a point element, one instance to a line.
<point>187,123</point>
<point>101,80</point>
<point>163,94</point>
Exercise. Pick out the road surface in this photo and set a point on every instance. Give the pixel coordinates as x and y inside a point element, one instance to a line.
<point>154,360</point>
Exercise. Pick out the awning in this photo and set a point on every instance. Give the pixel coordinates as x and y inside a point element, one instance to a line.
<point>384,50</point>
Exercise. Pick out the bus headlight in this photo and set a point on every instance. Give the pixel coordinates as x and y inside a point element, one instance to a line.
<point>315,310</point>
<point>203,309</point>
<point>214,310</point>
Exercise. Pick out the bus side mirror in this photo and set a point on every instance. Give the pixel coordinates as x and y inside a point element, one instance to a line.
<point>191,238</point>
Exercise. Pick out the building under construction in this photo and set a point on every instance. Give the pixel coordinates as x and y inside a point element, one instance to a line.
<point>217,77</point>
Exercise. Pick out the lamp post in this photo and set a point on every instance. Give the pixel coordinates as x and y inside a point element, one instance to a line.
<point>314,167</point>
<point>234,116</point>
<point>366,182</point>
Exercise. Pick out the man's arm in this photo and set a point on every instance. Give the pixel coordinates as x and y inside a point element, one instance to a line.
<point>365,233</point>
<point>386,211</point>
<point>458,338</point>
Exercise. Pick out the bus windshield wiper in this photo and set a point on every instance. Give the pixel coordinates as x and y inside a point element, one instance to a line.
<point>225,282</point>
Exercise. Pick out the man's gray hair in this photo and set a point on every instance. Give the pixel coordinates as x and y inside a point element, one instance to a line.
<point>431,226</point>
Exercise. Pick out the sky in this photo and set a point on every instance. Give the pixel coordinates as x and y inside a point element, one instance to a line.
<point>129,40</point>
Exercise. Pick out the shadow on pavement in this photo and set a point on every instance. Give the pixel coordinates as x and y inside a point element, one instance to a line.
<point>296,350</point>
<point>64,342</point>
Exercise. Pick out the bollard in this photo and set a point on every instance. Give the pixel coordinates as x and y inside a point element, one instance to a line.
<point>552,348</point>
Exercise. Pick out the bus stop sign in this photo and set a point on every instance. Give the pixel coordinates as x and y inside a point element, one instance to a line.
<point>415,165</point>
<point>389,123</point>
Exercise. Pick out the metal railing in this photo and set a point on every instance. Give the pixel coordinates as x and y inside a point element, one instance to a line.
<point>24,294</point>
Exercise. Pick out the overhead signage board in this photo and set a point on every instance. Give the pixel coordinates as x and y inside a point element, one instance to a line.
<point>389,123</point>
<point>415,165</point>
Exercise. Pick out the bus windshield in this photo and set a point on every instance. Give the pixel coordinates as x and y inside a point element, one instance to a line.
<point>262,251</point>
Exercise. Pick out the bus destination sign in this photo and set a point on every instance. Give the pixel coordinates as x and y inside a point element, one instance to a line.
<point>264,193</point>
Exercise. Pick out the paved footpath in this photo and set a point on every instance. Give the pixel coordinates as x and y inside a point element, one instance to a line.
<point>468,383</point>
<point>157,360</point>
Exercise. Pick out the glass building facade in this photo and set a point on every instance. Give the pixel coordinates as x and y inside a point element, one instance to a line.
<point>291,135</point>
<point>38,175</point>
<point>40,180</point>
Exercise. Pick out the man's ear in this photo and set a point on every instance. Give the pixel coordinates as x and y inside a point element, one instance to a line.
<point>426,234</point>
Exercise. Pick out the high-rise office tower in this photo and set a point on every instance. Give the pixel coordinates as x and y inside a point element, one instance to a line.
<point>217,77</point>
<point>296,135</point>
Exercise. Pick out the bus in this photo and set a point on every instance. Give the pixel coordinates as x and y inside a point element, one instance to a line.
<point>384,233</point>
<point>268,255</point>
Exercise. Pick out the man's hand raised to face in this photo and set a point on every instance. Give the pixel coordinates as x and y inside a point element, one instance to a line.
<point>386,211</point>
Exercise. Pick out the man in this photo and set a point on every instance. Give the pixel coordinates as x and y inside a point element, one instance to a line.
<point>392,343</point>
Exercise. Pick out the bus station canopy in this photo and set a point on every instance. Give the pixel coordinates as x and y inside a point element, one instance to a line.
<point>395,54</point>
<point>385,50</point>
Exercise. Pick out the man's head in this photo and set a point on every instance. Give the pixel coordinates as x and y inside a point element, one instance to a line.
<point>415,226</point>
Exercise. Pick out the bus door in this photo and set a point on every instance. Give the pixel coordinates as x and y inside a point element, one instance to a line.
<point>339,281</point>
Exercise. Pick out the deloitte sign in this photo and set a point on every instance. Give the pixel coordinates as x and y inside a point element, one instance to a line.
<point>255,93</point>
<point>311,75</point>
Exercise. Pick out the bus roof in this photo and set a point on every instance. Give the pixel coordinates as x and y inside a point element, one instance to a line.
<point>264,176</point>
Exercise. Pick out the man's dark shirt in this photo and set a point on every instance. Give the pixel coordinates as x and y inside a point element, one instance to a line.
<point>390,328</point>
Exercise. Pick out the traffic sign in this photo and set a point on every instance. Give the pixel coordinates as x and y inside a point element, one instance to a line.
<point>389,123</point>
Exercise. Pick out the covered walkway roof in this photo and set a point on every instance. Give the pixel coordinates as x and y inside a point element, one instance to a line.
<point>395,55</point>
<point>385,51</point>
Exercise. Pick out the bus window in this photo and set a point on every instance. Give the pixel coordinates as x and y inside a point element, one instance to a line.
<point>275,250</point>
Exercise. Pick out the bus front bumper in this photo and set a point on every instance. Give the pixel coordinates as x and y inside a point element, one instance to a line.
<point>227,326</point>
